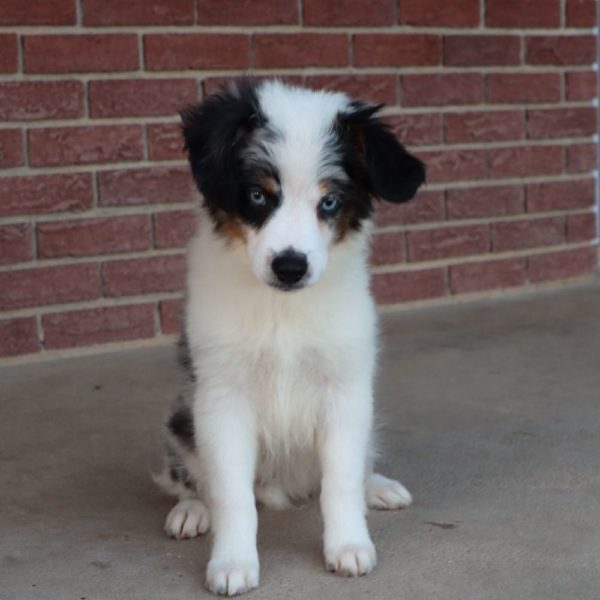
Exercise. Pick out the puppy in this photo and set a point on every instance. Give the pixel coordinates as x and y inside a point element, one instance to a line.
<point>280,335</point>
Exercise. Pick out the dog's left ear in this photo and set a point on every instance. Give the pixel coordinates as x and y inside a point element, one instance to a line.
<point>394,174</point>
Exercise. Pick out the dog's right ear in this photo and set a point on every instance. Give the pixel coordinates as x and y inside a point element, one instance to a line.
<point>215,132</point>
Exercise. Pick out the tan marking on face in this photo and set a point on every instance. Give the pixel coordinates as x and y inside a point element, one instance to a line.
<point>341,225</point>
<point>269,185</point>
<point>230,228</point>
<point>324,188</point>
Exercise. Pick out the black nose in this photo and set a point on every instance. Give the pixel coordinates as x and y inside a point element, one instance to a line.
<point>289,267</point>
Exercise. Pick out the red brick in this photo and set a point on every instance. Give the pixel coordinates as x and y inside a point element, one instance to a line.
<point>581,85</point>
<point>49,147</point>
<point>582,228</point>
<point>174,228</point>
<point>348,12</point>
<point>376,88</point>
<point>215,85</point>
<point>442,89</point>
<point>523,161</point>
<point>300,50</point>
<point>433,244</point>
<point>257,12</point>
<point>481,50</point>
<point>561,122</point>
<point>393,50</point>
<point>135,276</point>
<point>455,165</point>
<point>387,248</point>
<point>418,129</point>
<point>426,207</point>
<point>581,158</point>
<point>87,237</point>
<point>561,50</point>
<point>24,195</point>
<point>407,286</point>
<point>581,13</point>
<point>48,285</point>
<point>171,315</point>
<point>18,336</point>
<point>487,275</point>
<point>80,53</point>
<point>563,265</point>
<point>32,100</point>
<point>459,13</point>
<point>489,201</point>
<point>165,141</point>
<point>192,51</point>
<point>140,97</point>
<point>98,326</point>
<point>16,243</point>
<point>8,53</point>
<point>38,12</point>
<point>515,235</point>
<point>523,87</point>
<point>560,195</point>
<point>11,148</point>
<point>145,186</point>
<point>522,13</point>
<point>484,126</point>
<point>138,12</point>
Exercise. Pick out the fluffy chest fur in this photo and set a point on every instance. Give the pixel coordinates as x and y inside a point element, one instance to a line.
<point>286,352</point>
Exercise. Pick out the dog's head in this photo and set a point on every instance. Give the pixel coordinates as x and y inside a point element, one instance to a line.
<point>291,172</point>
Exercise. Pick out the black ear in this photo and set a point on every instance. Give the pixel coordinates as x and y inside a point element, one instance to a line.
<point>394,174</point>
<point>215,133</point>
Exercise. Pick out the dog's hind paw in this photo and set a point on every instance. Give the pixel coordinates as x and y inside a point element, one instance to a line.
<point>386,494</point>
<point>187,519</point>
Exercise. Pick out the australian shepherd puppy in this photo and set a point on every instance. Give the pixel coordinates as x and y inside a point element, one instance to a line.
<point>280,334</point>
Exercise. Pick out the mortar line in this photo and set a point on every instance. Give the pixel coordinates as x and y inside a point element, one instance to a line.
<point>243,29</point>
<point>597,31</point>
<point>345,69</point>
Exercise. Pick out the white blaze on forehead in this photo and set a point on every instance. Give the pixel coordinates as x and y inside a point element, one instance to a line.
<point>302,120</point>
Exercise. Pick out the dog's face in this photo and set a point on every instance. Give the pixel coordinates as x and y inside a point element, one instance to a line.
<point>290,173</point>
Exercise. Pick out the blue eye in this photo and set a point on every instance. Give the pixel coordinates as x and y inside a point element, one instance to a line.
<point>257,197</point>
<point>329,204</point>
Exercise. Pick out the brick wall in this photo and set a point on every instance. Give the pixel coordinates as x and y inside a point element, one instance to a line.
<point>497,96</point>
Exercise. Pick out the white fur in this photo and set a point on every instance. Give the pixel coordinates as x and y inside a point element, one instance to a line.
<point>283,403</point>
<point>299,152</point>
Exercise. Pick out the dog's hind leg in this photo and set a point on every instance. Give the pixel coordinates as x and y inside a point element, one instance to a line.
<point>386,494</point>
<point>272,495</point>
<point>190,516</point>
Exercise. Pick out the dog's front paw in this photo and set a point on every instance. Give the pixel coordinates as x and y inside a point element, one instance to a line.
<point>230,578</point>
<point>351,560</point>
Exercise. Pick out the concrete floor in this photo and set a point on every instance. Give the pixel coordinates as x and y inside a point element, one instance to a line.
<point>492,420</point>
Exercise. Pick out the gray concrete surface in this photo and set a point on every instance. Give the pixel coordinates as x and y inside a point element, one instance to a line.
<point>491,418</point>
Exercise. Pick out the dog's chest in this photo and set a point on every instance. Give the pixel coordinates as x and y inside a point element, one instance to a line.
<point>289,386</point>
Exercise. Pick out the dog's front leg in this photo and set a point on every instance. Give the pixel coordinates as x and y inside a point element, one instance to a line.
<point>344,443</point>
<point>227,431</point>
